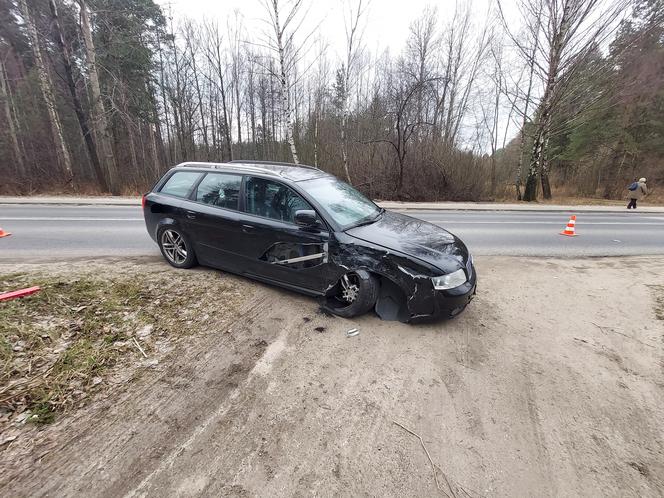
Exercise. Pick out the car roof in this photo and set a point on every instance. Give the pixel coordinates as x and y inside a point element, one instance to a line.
<point>289,171</point>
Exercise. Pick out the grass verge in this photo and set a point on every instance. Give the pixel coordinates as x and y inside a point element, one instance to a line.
<point>56,346</point>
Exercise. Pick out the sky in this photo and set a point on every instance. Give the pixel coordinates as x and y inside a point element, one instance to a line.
<point>385,25</point>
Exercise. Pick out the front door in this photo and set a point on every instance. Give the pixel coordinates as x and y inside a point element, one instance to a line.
<point>277,248</point>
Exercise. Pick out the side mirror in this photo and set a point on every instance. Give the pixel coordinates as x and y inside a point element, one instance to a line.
<point>306,218</point>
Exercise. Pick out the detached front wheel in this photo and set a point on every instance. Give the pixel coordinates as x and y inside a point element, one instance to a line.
<point>175,248</point>
<point>355,294</point>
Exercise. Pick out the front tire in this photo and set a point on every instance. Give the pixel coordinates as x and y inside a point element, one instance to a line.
<point>176,248</point>
<point>355,294</point>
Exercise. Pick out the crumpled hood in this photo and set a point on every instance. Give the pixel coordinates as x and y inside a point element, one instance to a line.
<point>417,238</point>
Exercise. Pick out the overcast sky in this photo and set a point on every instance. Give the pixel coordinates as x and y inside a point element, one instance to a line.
<point>386,22</point>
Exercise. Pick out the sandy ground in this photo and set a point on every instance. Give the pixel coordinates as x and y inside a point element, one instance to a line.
<point>550,384</point>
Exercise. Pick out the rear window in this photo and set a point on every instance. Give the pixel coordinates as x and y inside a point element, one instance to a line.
<point>180,183</point>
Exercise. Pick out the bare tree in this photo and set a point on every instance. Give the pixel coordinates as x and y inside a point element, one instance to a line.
<point>565,32</point>
<point>285,23</point>
<point>422,45</point>
<point>237,68</point>
<point>491,112</point>
<point>404,125</point>
<point>353,42</point>
<point>213,53</point>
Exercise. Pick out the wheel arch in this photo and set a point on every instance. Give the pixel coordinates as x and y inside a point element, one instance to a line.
<point>164,223</point>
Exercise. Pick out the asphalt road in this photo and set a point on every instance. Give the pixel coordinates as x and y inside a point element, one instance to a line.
<point>57,232</point>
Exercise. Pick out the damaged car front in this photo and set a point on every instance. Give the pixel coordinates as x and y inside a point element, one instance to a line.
<point>416,270</point>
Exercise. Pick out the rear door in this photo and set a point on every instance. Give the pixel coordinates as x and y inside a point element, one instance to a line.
<point>277,249</point>
<point>214,221</point>
<point>165,204</point>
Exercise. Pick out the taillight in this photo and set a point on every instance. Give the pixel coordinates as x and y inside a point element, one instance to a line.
<point>143,201</point>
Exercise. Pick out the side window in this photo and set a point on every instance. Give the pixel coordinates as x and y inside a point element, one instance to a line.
<point>220,190</point>
<point>180,183</point>
<point>273,200</point>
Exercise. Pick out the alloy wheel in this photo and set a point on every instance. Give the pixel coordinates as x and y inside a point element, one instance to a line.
<point>350,288</point>
<point>175,249</point>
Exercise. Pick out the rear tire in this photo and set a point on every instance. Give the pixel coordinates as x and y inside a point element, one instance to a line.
<point>176,248</point>
<point>362,287</point>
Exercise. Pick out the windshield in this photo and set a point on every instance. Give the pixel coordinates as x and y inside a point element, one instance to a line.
<point>345,205</point>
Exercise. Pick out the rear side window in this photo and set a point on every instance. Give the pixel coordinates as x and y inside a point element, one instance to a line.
<point>220,190</point>
<point>273,200</point>
<point>180,183</point>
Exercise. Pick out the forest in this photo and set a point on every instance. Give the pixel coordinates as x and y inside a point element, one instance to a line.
<point>566,99</point>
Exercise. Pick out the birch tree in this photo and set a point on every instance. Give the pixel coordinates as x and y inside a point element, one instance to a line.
<point>46,88</point>
<point>567,32</point>
<point>285,19</point>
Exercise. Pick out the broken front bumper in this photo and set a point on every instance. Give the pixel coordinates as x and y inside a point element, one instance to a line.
<point>448,303</point>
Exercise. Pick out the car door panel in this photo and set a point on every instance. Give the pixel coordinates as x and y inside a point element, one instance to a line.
<point>216,233</point>
<point>283,252</point>
<point>277,248</point>
<point>212,216</point>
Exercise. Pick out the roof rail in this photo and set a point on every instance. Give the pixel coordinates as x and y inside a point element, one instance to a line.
<point>278,163</point>
<point>225,166</point>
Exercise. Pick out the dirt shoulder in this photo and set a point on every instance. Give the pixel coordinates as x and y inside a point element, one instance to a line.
<point>550,384</point>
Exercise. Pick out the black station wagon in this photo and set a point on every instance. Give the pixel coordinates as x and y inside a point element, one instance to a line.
<point>303,229</point>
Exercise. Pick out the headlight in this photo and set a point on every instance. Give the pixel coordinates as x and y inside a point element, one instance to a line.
<point>449,281</point>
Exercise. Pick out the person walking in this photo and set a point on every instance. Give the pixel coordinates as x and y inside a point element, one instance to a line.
<point>637,191</point>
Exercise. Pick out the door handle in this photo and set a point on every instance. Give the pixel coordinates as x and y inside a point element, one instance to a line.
<point>248,228</point>
<point>191,215</point>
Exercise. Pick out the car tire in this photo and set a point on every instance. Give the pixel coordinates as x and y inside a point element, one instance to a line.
<point>368,287</point>
<point>176,248</point>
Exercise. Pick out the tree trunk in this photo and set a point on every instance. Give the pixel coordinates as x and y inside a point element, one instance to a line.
<point>46,87</point>
<point>316,117</point>
<point>522,134</point>
<point>344,141</point>
<point>544,173</point>
<point>530,192</point>
<point>162,84</point>
<point>4,96</point>
<point>345,111</point>
<point>78,108</point>
<point>543,122</point>
<point>99,122</point>
<point>224,107</point>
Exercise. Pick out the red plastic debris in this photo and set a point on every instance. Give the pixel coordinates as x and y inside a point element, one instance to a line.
<point>3,233</point>
<point>19,293</point>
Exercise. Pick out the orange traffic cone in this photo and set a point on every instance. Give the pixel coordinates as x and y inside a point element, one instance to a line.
<point>569,229</point>
<point>3,233</point>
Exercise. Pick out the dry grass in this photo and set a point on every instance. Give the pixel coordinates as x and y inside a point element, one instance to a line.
<point>57,346</point>
<point>567,195</point>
